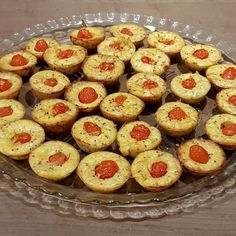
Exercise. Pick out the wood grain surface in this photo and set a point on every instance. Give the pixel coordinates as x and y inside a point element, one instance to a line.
<point>17,218</point>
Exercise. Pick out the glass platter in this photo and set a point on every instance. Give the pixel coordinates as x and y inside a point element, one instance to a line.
<point>131,202</point>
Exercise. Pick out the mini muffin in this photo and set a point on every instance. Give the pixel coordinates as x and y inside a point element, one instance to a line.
<point>177,118</point>
<point>65,58</point>
<point>121,107</point>
<point>37,46</point>
<point>226,100</point>
<point>136,137</point>
<point>105,69</point>
<point>200,57</point>
<point>20,62</point>
<point>94,133</point>
<point>168,42</point>
<point>146,86</point>
<point>10,85</point>
<point>54,160</point>
<point>201,156</point>
<point>150,60</point>
<point>48,84</point>
<point>156,170</point>
<point>86,95</point>
<point>120,47</point>
<point>222,130</point>
<point>55,115</point>
<point>222,76</point>
<point>19,138</point>
<point>190,88</point>
<point>87,37</point>
<point>104,172</point>
<point>134,32</point>
<point>10,110</point>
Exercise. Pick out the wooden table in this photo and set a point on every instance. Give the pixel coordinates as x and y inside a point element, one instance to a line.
<point>16,218</point>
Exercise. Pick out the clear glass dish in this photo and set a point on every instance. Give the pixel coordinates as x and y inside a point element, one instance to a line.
<point>131,202</point>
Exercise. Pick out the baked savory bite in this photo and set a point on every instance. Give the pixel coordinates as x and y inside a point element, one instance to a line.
<point>94,133</point>
<point>20,62</point>
<point>86,95</point>
<point>134,32</point>
<point>137,136</point>
<point>10,85</point>
<point>65,58</point>
<point>105,69</point>
<point>222,130</point>
<point>10,110</point>
<point>166,41</point>
<point>55,115</point>
<point>222,76</point>
<point>48,84</point>
<point>104,172</point>
<point>190,88</point>
<point>121,107</point>
<point>226,100</point>
<point>54,160</point>
<point>177,118</point>
<point>201,156</point>
<point>120,47</point>
<point>150,60</point>
<point>200,57</point>
<point>146,86</point>
<point>88,37</point>
<point>37,46</point>
<point>156,170</point>
<point>19,138</point>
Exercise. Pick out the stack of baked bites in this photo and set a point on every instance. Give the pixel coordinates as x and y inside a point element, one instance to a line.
<point>99,119</point>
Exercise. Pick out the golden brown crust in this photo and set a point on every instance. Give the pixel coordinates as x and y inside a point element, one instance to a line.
<point>69,65</point>
<point>42,113</point>
<point>141,167</point>
<point>128,111</point>
<point>86,172</point>
<point>23,71</point>
<point>215,152</point>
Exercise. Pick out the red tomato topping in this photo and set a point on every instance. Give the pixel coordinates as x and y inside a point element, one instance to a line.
<point>22,138</point>
<point>50,82</point>
<point>41,46</point>
<point>148,60</point>
<point>92,128</point>
<point>88,95</point>
<point>189,83</point>
<point>116,46</point>
<point>140,132</point>
<point>106,169</point>
<point>59,108</point>
<point>232,100</point>
<point>65,54</point>
<point>198,154</point>
<point>229,73</point>
<point>150,84</point>
<point>158,169</point>
<point>201,54</point>
<point>4,85</point>
<point>168,42</point>
<point>18,60</point>
<point>84,34</point>
<point>58,159</point>
<point>5,111</point>
<point>229,129</point>
<point>177,114</point>
<point>119,100</point>
<point>105,66</point>
<point>127,31</point>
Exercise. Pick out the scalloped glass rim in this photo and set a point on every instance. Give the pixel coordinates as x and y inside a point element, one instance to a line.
<point>132,208</point>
